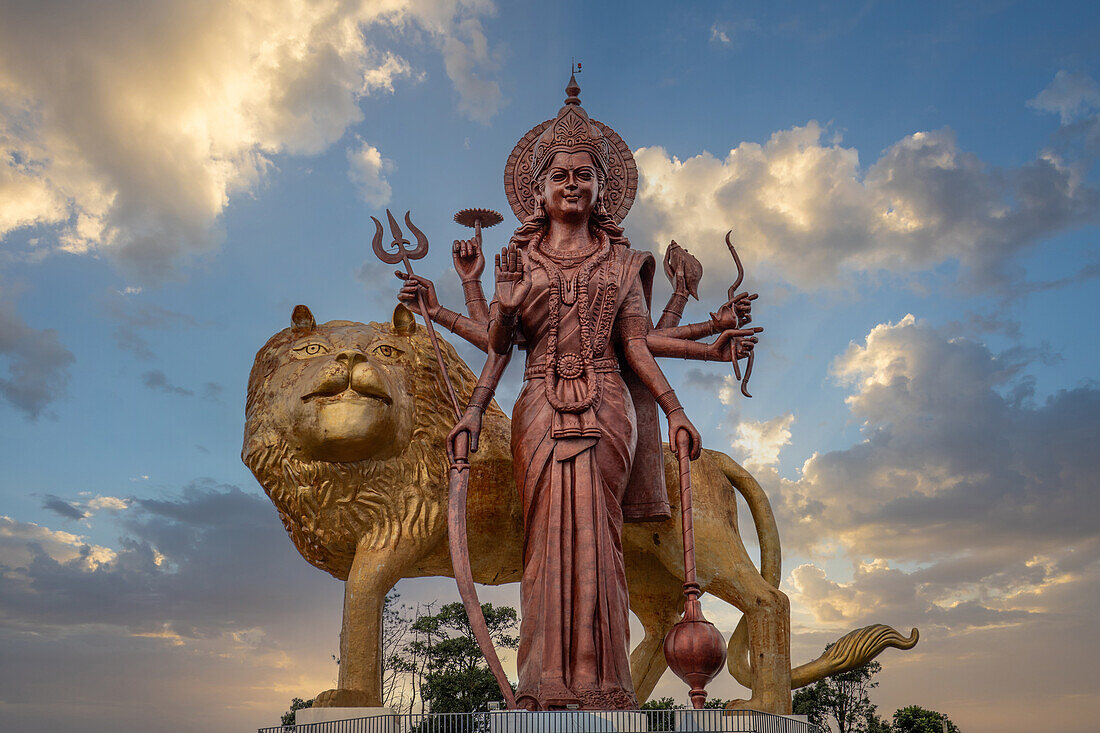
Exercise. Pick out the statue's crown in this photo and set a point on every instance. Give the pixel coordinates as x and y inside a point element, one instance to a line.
<point>571,132</point>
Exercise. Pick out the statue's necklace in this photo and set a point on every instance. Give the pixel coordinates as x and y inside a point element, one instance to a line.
<point>570,365</point>
<point>566,259</point>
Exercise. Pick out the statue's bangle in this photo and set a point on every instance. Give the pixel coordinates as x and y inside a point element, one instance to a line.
<point>446,317</point>
<point>676,304</point>
<point>480,398</point>
<point>668,402</point>
<point>697,331</point>
<point>471,289</point>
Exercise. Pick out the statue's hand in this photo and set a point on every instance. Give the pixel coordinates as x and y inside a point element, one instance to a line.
<point>678,421</point>
<point>415,284</point>
<point>683,270</point>
<point>735,313</point>
<point>513,275</point>
<point>470,427</point>
<point>734,340</point>
<point>468,258</point>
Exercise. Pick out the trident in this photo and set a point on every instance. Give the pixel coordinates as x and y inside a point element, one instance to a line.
<point>404,253</point>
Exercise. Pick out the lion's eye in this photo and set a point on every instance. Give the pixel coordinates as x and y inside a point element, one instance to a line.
<point>387,351</point>
<point>311,349</point>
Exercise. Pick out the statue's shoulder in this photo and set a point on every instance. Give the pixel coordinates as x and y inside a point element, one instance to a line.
<point>635,261</point>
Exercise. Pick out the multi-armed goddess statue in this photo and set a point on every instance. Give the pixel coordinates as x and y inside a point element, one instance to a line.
<point>574,295</point>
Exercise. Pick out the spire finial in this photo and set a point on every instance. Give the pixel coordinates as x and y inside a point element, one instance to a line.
<point>572,89</point>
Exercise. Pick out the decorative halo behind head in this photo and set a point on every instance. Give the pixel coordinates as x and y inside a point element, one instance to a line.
<point>571,131</point>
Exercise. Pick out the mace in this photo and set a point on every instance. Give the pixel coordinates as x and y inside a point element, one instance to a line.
<point>694,648</point>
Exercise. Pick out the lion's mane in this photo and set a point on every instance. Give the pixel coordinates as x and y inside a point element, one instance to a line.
<point>330,508</point>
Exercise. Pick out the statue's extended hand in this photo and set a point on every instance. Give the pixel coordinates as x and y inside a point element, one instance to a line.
<point>470,425</point>
<point>513,276</point>
<point>736,312</point>
<point>414,285</point>
<point>740,339</point>
<point>468,259</point>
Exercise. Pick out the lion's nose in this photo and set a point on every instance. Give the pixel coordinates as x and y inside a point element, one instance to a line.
<point>350,358</point>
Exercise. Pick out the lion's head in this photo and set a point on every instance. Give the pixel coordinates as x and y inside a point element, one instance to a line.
<point>344,429</point>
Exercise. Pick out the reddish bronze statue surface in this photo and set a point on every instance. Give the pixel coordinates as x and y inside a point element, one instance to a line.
<point>572,293</point>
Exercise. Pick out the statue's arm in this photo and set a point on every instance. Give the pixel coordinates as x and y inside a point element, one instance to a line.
<point>456,323</point>
<point>501,331</point>
<point>658,343</point>
<point>691,331</point>
<point>633,325</point>
<point>469,264</point>
<point>416,287</point>
<point>470,422</point>
<point>733,314</point>
<point>674,309</point>
<point>741,339</point>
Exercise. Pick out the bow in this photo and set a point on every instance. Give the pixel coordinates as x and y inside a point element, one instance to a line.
<point>460,561</point>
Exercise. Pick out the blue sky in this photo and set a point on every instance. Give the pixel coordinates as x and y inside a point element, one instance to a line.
<point>913,187</point>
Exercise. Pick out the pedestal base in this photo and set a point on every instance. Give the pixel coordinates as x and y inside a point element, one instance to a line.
<point>568,721</point>
<point>327,715</point>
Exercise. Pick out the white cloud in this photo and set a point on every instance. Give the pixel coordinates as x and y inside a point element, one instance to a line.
<point>470,64</point>
<point>112,503</point>
<point>719,35</point>
<point>367,169</point>
<point>759,442</point>
<point>1069,95</point>
<point>806,208</point>
<point>19,540</point>
<point>128,126</point>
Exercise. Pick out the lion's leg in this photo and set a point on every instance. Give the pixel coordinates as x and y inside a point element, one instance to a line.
<point>655,598</point>
<point>373,574</point>
<point>768,614</point>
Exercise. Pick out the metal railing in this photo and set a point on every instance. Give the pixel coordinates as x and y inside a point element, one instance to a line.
<point>562,721</point>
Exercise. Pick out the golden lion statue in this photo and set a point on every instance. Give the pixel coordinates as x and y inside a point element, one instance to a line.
<point>345,429</point>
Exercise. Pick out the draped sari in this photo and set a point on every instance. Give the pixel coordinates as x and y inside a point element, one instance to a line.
<point>572,470</point>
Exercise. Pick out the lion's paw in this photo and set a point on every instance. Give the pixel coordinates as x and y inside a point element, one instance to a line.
<point>345,699</point>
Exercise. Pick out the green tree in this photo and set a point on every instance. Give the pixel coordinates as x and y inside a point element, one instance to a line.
<point>841,702</point>
<point>444,655</point>
<point>661,716</point>
<point>915,719</point>
<point>808,701</point>
<point>872,723</point>
<point>295,705</point>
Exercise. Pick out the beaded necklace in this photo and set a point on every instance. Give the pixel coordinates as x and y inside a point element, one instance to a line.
<point>570,366</point>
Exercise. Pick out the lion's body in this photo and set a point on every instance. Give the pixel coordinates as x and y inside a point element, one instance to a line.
<point>374,521</point>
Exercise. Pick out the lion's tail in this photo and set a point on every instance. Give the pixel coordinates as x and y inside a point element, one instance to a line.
<point>852,650</point>
<point>771,557</point>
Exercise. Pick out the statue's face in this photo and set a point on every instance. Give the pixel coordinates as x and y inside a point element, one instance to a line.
<point>571,186</point>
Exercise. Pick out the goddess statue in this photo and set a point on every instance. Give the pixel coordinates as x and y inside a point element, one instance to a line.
<point>574,295</point>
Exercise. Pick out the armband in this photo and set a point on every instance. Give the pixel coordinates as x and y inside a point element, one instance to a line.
<point>633,327</point>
